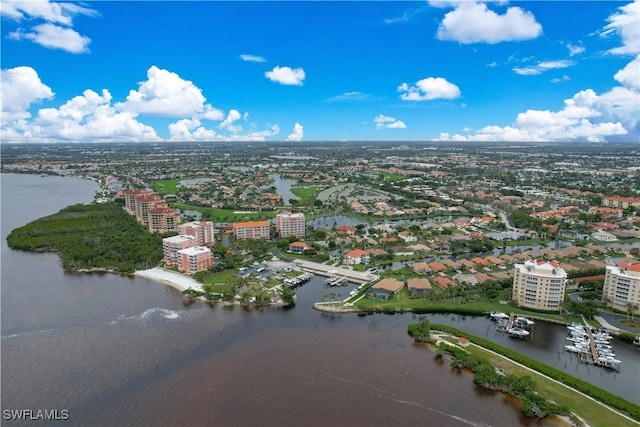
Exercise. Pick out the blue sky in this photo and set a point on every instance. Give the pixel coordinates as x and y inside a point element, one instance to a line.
<point>316,70</point>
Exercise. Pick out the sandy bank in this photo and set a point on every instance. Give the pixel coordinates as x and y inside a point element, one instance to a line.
<point>176,280</point>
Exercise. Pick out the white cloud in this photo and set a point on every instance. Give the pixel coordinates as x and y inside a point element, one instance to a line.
<point>211,113</point>
<point>21,86</point>
<point>56,32</point>
<point>51,12</point>
<point>575,49</point>
<point>54,37</point>
<point>428,89</point>
<point>252,58</point>
<point>625,23</point>
<point>227,124</point>
<point>472,22</point>
<point>629,76</point>
<point>383,121</point>
<point>192,130</point>
<point>586,116</point>
<point>165,93</point>
<point>349,96</point>
<point>542,66</point>
<point>89,117</point>
<point>492,64</point>
<point>297,133</point>
<point>286,75</point>
<point>564,78</point>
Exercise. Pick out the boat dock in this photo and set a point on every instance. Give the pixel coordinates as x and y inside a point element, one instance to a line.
<point>329,271</point>
<point>593,347</point>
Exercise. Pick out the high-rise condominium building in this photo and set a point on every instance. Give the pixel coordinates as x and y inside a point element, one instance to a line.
<point>203,231</point>
<point>172,245</point>
<point>539,285</point>
<point>622,287</point>
<point>194,259</point>
<point>251,230</point>
<point>290,224</point>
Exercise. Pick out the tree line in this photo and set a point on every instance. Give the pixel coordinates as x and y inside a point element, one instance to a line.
<point>93,236</point>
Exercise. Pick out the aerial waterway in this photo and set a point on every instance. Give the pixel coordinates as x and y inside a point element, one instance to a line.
<point>119,350</point>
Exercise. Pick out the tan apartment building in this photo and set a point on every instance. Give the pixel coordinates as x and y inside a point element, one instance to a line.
<point>130,199</point>
<point>290,224</point>
<point>539,285</point>
<point>203,231</point>
<point>146,202</point>
<point>251,230</point>
<point>172,245</point>
<point>194,259</point>
<point>622,287</point>
<point>620,202</point>
<point>163,220</point>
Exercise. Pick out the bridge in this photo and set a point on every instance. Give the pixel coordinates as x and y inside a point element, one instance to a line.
<point>329,270</point>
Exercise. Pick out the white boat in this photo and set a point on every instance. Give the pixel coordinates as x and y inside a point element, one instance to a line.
<point>518,332</point>
<point>496,315</point>
<point>524,321</point>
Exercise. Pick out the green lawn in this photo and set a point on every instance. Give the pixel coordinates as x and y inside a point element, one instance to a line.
<point>225,215</point>
<point>403,301</point>
<point>166,186</point>
<point>393,177</point>
<point>305,193</point>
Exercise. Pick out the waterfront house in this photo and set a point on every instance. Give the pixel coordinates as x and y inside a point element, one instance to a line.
<point>445,282</point>
<point>385,289</point>
<point>419,286</point>
<point>357,256</point>
<point>421,268</point>
<point>297,247</point>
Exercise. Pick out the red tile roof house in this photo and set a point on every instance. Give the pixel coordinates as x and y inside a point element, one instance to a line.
<point>385,289</point>
<point>356,256</point>
<point>445,283</point>
<point>297,247</point>
<point>346,230</point>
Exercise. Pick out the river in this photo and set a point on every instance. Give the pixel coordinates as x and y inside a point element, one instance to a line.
<point>114,350</point>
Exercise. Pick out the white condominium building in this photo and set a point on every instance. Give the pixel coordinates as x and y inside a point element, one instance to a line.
<point>290,224</point>
<point>539,285</point>
<point>622,287</point>
<point>203,231</point>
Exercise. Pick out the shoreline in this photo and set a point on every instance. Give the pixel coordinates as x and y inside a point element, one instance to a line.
<point>172,279</point>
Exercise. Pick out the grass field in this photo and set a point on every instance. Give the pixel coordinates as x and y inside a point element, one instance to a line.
<point>166,186</point>
<point>594,414</point>
<point>225,215</point>
<point>392,177</point>
<point>403,301</point>
<point>307,194</point>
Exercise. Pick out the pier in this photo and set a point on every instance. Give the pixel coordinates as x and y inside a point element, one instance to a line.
<point>328,271</point>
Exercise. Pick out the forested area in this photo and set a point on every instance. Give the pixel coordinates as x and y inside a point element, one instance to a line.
<point>94,236</point>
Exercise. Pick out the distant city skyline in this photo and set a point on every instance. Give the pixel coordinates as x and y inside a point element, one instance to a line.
<point>447,70</point>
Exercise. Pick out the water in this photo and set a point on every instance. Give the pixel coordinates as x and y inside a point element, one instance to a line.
<point>127,351</point>
<point>283,188</point>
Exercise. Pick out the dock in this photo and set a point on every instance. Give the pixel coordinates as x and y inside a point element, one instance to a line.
<point>329,270</point>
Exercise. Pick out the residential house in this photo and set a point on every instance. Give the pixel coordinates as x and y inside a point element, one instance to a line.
<point>421,268</point>
<point>419,287</point>
<point>297,247</point>
<point>385,289</point>
<point>407,237</point>
<point>357,256</point>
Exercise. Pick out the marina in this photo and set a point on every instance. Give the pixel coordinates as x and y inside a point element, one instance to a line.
<point>593,346</point>
<point>515,326</point>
